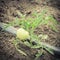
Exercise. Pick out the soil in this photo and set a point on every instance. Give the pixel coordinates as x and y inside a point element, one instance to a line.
<point>8,12</point>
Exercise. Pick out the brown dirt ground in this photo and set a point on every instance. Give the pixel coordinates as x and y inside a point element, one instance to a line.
<point>8,12</point>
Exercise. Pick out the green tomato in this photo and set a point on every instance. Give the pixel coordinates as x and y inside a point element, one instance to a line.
<point>22,34</point>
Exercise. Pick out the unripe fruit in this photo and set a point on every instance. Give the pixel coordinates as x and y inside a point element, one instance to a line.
<point>22,34</point>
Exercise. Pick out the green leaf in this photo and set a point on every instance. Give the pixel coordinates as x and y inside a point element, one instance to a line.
<point>50,51</point>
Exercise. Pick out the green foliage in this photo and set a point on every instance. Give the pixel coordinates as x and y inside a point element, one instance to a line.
<point>40,52</point>
<point>15,42</point>
<point>51,22</point>
<point>31,23</point>
<point>49,50</point>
